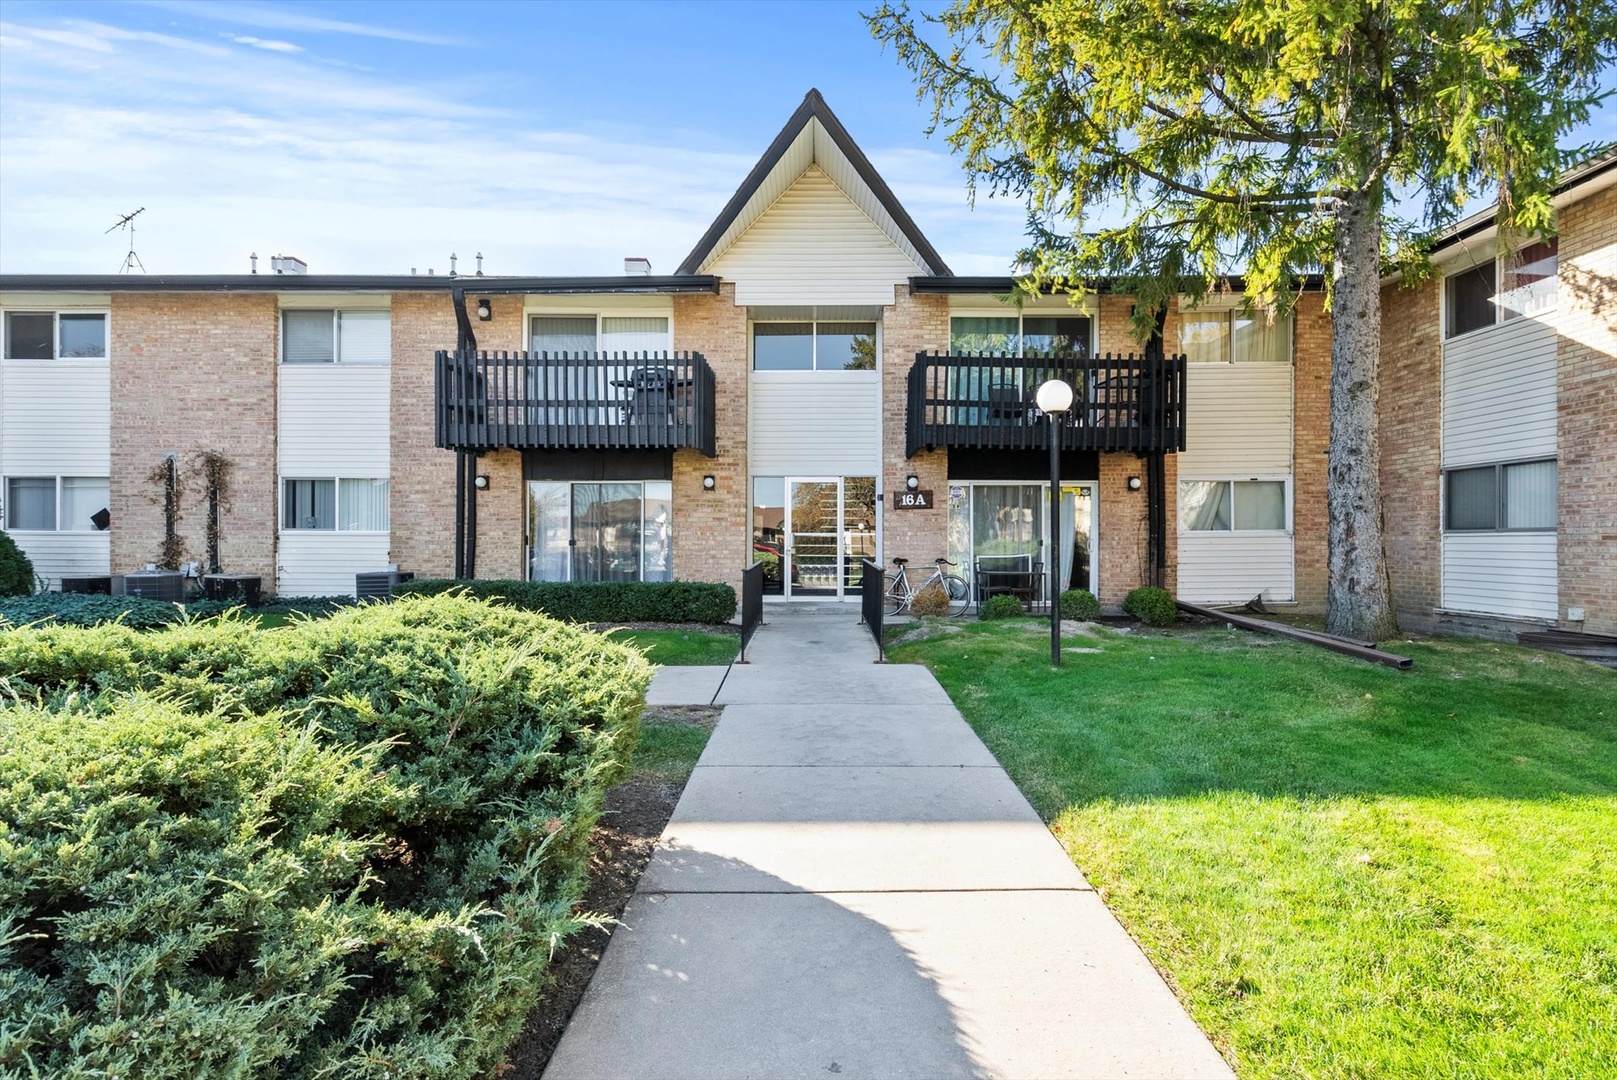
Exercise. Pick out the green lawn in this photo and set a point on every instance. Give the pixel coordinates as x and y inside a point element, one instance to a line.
<point>668,750</point>
<point>1345,870</point>
<point>682,648</point>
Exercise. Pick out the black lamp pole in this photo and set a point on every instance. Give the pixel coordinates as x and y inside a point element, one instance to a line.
<point>1054,561</point>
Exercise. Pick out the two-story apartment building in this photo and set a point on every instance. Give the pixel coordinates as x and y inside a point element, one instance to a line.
<point>811,386</point>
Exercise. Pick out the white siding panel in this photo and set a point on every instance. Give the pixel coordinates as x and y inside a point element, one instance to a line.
<point>318,562</point>
<point>1233,568</point>
<point>814,423</point>
<point>334,420</point>
<point>1501,574</point>
<point>1237,421</point>
<point>55,418</point>
<point>1499,394</point>
<point>66,554</point>
<point>814,246</point>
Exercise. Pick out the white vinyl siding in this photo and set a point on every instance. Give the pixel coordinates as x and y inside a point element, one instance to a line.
<point>1232,568</point>
<point>66,554</point>
<point>324,562</point>
<point>815,246</point>
<point>1499,394</point>
<point>1510,574</point>
<point>55,418</point>
<point>814,423</point>
<point>334,420</point>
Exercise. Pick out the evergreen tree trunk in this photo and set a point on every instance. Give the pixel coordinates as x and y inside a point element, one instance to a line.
<point>1357,597</point>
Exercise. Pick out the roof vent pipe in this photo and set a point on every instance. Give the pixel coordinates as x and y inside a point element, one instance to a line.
<point>253,258</point>
<point>479,264</point>
<point>452,265</point>
<point>637,265</point>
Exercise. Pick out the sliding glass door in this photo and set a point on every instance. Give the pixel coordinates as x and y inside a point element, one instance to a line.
<point>998,527</point>
<point>600,531</point>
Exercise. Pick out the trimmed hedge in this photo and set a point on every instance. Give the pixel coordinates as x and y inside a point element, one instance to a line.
<point>478,741</point>
<point>16,570</point>
<point>1152,606</point>
<point>88,609</point>
<point>599,601</point>
<point>1079,604</point>
<point>1002,606</point>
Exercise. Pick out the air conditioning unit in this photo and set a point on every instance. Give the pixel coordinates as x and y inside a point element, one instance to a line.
<point>379,584</point>
<point>165,585</point>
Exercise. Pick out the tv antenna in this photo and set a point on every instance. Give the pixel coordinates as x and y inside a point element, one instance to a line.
<point>131,260</point>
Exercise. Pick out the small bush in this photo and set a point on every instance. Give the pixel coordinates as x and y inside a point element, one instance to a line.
<point>1003,606</point>
<point>87,609</point>
<point>1152,606</point>
<point>599,601</point>
<point>1079,604</point>
<point>16,571</point>
<point>931,602</point>
<point>306,605</point>
<point>490,735</point>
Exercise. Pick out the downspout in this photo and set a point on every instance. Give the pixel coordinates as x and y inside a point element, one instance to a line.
<point>1156,498</point>
<point>465,461</point>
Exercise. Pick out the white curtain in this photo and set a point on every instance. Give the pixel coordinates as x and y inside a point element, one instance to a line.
<point>31,502</point>
<point>1204,337</point>
<point>1530,495</point>
<point>1260,504</point>
<point>81,497</point>
<point>634,335</point>
<point>364,505</point>
<point>1204,505</point>
<point>1259,337</point>
<point>657,532</point>
<point>365,337</point>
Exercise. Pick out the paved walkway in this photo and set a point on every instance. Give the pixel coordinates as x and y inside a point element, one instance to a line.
<point>851,885</point>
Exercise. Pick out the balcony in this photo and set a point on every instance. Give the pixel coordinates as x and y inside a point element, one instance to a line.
<point>574,401</point>
<point>1125,403</point>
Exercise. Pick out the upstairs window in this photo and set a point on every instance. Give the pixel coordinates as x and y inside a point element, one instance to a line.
<point>55,335</point>
<point>570,334</point>
<point>814,346</point>
<point>1224,337</point>
<point>324,336</point>
<point>1038,336</point>
<point>1510,287</point>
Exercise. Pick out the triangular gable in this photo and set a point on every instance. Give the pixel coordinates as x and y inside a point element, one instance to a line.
<point>814,136</point>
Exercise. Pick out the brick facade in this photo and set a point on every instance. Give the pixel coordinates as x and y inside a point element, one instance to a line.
<point>1409,412</point>
<point>1586,358</point>
<point>710,527</point>
<point>422,500</point>
<point>1310,438</point>
<point>192,373</point>
<point>914,323</point>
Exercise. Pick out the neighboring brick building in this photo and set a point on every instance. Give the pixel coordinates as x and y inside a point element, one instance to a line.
<point>811,386</point>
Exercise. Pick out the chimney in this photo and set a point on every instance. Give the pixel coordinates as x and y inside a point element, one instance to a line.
<point>288,264</point>
<point>635,265</point>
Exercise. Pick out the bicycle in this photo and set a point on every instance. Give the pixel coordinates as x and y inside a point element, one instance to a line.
<point>899,595</point>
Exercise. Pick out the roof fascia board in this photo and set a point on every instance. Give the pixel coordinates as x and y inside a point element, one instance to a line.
<point>813,108</point>
<point>1004,286</point>
<point>337,283</point>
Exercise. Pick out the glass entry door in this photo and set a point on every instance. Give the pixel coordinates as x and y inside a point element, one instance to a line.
<point>813,538</point>
<point>811,533</point>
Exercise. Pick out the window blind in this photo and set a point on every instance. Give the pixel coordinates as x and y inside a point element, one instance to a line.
<point>308,337</point>
<point>365,337</point>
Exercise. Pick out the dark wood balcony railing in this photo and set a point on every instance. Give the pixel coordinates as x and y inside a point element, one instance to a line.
<point>575,401</point>
<point>987,403</point>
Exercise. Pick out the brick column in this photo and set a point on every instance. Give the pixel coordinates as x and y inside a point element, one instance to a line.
<point>1310,438</point>
<point>422,495</point>
<point>710,527</point>
<point>1586,404</point>
<point>189,373</point>
<point>912,324</point>
<point>1408,408</point>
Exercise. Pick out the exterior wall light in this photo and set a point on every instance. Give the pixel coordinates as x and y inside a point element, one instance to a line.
<point>484,312</point>
<point>1134,483</point>
<point>480,483</point>
<point>912,481</point>
<point>708,483</point>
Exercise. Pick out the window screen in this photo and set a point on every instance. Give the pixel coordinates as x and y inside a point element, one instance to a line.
<point>365,337</point>
<point>1530,495</point>
<point>308,504</point>
<point>1260,338</point>
<point>83,335</point>
<point>632,335</point>
<point>845,346</point>
<point>28,335</point>
<point>1055,336</point>
<point>362,505</point>
<point>83,496</point>
<point>1260,504</point>
<point>1473,499</point>
<point>1205,338</point>
<point>1469,296</point>
<point>1528,285</point>
<point>308,337</point>
<point>783,346</point>
<point>996,335</point>
<point>562,334</point>
<point>31,502</point>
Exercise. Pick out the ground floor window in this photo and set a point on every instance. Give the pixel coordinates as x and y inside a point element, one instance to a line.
<point>1518,496</point>
<point>619,531</point>
<point>56,503</point>
<point>346,503</point>
<point>1232,506</point>
<point>1000,529</point>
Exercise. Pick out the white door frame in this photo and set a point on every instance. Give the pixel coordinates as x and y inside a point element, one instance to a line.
<point>789,541</point>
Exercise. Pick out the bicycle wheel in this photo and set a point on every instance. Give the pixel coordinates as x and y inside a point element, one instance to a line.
<point>897,597</point>
<point>959,594</point>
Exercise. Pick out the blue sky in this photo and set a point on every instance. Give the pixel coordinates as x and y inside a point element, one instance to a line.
<point>373,137</point>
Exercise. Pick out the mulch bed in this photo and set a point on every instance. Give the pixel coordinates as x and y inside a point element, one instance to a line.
<point>620,847</point>
<point>682,627</point>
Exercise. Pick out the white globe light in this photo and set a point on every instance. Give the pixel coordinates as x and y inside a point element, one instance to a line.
<point>1054,396</point>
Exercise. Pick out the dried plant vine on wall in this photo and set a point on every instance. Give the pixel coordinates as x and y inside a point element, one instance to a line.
<point>166,478</point>
<point>212,471</point>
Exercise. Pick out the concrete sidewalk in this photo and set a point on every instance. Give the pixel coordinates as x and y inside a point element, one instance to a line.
<point>851,885</point>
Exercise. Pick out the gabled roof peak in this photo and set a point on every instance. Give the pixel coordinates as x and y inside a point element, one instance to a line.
<point>748,203</point>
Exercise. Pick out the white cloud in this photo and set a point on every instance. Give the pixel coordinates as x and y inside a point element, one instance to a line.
<point>261,43</point>
<point>279,19</point>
